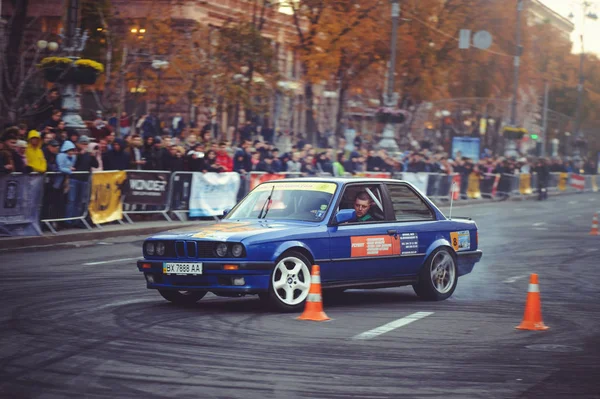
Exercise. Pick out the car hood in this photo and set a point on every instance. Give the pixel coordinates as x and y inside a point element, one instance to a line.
<point>234,230</point>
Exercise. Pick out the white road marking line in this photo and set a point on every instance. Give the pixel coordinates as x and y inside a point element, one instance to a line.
<point>539,224</point>
<point>592,199</point>
<point>109,261</point>
<point>540,228</point>
<point>572,202</point>
<point>513,279</point>
<point>392,326</point>
<point>591,249</point>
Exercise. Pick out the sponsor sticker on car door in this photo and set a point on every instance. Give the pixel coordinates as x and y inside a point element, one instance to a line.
<point>383,245</point>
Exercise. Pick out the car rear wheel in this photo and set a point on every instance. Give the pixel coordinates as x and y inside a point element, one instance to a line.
<point>182,297</point>
<point>290,282</point>
<point>438,277</point>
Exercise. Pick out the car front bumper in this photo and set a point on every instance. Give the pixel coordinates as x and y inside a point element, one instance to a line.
<point>249,278</point>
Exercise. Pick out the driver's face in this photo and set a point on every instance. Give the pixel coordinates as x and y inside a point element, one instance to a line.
<point>361,207</point>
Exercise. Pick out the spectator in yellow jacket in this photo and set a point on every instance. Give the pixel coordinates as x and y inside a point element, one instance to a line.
<point>34,154</point>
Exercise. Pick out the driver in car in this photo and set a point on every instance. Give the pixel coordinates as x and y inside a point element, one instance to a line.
<point>362,206</point>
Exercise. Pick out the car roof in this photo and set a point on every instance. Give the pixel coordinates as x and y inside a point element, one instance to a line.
<point>340,180</point>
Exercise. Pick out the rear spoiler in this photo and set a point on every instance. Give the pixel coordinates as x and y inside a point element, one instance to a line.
<point>461,217</point>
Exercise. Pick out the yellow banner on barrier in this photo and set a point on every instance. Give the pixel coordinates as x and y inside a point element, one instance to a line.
<point>473,186</point>
<point>562,181</point>
<point>595,184</point>
<point>525,184</point>
<point>105,196</point>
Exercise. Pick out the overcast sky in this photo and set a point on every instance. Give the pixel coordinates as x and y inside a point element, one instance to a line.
<point>591,31</point>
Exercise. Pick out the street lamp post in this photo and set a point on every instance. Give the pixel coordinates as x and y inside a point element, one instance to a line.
<point>159,66</point>
<point>578,113</point>
<point>388,140</point>
<point>511,145</point>
<point>74,40</point>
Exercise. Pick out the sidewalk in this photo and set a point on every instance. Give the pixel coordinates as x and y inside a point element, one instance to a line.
<point>83,235</point>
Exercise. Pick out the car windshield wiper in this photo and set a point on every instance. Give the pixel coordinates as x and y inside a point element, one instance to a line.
<point>266,204</point>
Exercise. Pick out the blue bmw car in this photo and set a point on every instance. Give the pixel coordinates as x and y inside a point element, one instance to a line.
<point>363,233</point>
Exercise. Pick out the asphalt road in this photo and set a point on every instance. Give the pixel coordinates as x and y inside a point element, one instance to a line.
<point>79,323</point>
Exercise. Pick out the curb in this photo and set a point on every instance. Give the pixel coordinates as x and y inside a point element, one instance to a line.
<point>70,237</point>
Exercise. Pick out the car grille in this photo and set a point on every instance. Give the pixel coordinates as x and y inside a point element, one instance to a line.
<point>194,249</point>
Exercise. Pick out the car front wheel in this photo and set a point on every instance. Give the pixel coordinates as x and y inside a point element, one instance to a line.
<point>182,297</point>
<point>290,282</point>
<point>438,277</point>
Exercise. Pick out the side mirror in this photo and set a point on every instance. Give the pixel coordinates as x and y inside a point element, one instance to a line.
<point>226,211</point>
<point>345,215</point>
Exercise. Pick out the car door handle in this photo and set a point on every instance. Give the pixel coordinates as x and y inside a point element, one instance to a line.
<point>392,232</point>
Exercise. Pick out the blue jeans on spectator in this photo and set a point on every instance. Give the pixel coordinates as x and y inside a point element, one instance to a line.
<point>75,199</point>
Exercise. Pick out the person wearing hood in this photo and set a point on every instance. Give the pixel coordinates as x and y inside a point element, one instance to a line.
<point>117,158</point>
<point>79,182</point>
<point>34,153</point>
<point>65,161</point>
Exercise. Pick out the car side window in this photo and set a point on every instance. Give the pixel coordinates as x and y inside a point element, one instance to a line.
<point>408,206</point>
<point>366,201</point>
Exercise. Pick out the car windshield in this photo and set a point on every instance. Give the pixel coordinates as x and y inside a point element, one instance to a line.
<point>306,201</point>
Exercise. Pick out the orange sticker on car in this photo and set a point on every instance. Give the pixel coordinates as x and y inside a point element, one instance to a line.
<point>374,246</point>
<point>454,240</point>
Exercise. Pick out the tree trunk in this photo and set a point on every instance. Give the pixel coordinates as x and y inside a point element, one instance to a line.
<point>15,36</point>
<point>339,125</point>
<point>310,117</point>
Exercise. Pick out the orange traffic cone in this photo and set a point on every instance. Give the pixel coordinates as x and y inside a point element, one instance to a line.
<point>594,231</point>
<point>532,319</point>
<point>314,303</point>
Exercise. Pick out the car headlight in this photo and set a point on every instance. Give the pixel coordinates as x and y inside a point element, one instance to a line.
<point>222,250</point>
<point>160,248</point>
<point>149,248</point>
<point>237,250</point>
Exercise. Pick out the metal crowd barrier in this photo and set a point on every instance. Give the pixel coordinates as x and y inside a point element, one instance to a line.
<point>180,193</point>
<point>52,195</point>
<point>176,199</point>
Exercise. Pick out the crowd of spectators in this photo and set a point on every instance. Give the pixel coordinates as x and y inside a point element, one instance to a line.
<point>144,146</point>
<point>120,144</point>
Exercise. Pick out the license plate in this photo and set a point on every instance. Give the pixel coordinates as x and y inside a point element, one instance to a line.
<point>182,268</point>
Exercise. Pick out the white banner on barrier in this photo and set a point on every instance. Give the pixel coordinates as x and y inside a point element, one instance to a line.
<point>212,193</point>
<point>419,180</point>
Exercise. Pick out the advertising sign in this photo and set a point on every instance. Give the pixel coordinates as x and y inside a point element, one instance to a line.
<point>20,197</point>
<point>146,188</point>
<point>467,146</point>
<point>213,193</point>
<point>105,196</point>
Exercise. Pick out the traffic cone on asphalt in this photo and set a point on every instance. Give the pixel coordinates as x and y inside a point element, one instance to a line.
<point>594,231</point>
<point>532,320</point>
<point>314,303</point>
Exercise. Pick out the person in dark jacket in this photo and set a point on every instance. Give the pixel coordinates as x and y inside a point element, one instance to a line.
<point>155,155</point>
<point>117,158</point>
<point>266,165</point>
<point>210,162</point>
<point>54,198</point>
<point>175,160</point>
<point>10,160</point>
<point>195,158</point>
<point>543,173</point>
